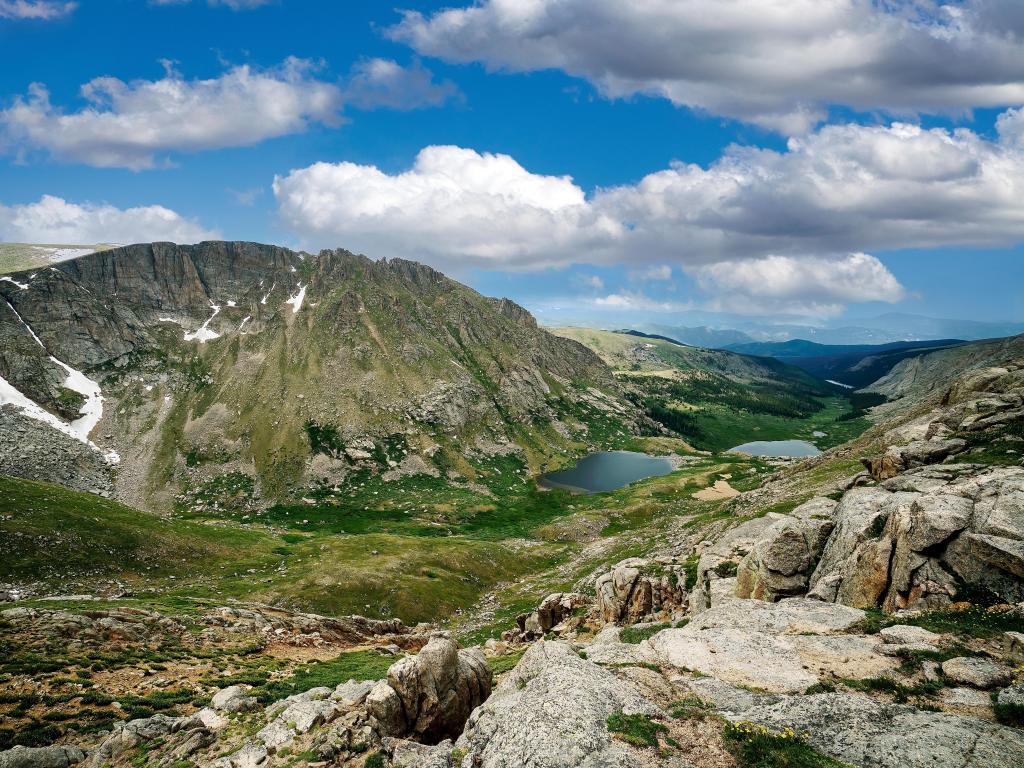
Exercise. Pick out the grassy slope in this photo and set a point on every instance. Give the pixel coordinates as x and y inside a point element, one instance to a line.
<point>15,257</point>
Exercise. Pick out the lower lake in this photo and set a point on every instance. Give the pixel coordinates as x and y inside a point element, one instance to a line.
<point>778,448</point>
<point>600,472</point>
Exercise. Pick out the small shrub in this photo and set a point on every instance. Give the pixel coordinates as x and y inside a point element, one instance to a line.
<point>376,760</point>
<point>727,568</point>
<point>1008,714</point>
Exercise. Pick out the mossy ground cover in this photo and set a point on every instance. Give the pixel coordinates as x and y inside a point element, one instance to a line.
<point>754,746</point>
<point>973,621</point>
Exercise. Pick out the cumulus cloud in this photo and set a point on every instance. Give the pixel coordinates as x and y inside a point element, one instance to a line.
<point>637,300</point>
<point>55,220</point>
<point>791,227</point>
<point>384,83</point>
<point>136,124</point>
<point>35,9</point>
<point>777,64</point>
<point>454,206</point>
<point>798,285</point>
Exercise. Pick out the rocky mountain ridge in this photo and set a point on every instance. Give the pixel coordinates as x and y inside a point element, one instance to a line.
<point>288,368</point>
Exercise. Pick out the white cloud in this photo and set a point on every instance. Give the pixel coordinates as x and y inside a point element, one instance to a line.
<point>819,287</point>
<point>804,217</point>
<point>234,5</point>
<point>134,125</point>
<point>778,63</point>
<point>384,83</point>
<point>636,300</point>
<point>453,207</point>
<point>35,9</point>
<point>55,220</point>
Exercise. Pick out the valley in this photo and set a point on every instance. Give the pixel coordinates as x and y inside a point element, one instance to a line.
<point>328,464</point>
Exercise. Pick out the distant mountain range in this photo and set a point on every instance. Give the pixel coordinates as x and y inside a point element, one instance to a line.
<point>884,329</point>
<point>853,365</point>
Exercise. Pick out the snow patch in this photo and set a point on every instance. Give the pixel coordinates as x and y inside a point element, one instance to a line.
<point>297,299</point>
<point>80,428</point>
<point>203,334</point>
<point>63,254</point>
<point>264,299</point>
<point>23,286</point>
<point>840,384</point>
<point>246,320</point>
<point>231,303</point>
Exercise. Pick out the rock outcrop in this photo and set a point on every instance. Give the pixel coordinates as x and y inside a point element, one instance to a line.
<point>922,536</point>
<point>549,616</point>
<point>429,696</point>
<point>41,757</point>
<point>552,711</point>
<point>783,647</point>
<point>786,553</point>
<point>641,590</point>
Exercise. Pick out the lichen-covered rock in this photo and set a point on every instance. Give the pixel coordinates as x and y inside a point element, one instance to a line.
<point>976,672</point>
<point>866,732</point>
<point>636,589</point>
<point>41,757</point>
<point>782,559</point>
<point>551,711</point>
<point>429,696</point>
<point>913,541</point>
<point>919,453</point>
<point>234,698</point>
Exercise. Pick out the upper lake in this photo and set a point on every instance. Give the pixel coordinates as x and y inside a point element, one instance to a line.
<point>606,471</point>
<point>788,448</point>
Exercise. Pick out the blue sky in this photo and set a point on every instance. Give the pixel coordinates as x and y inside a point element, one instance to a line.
<point>587,159</point>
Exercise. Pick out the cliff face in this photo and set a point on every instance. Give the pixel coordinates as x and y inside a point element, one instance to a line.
<point>239,357</point>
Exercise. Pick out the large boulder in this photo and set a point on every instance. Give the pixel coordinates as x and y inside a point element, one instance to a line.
<point>641,590</point>
<point>429,696</point>
<point>721,559</point>
<point>551,711</point>
<point>782,559</point>
<point>41,757</point>
<point>976,672</point>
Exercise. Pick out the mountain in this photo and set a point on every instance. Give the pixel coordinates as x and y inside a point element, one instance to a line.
<point>920,327</point>
<point>699,336</point>
<point>854,365</point>
<point>731,331</point>
<point>193,363</point>
<point>718,399</point>
<point>920,377</point>
<point>620,626</point>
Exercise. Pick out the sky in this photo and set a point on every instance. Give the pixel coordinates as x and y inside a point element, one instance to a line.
<point>694,161</point>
